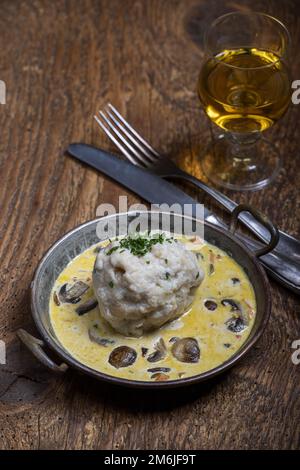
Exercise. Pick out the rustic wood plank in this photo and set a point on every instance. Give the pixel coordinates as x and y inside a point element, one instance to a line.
<point>62,61</point>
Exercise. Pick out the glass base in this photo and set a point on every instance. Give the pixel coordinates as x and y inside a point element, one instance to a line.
<point>242,170</point>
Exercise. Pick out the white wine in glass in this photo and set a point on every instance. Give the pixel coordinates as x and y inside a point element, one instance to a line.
<point>244,88</point>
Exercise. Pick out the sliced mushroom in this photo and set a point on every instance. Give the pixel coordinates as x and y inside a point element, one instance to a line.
<point>173,339</point>
<point>96,338</point>
<point>211,266</point>
<point>236,324</point>
<point>235,306</point>
<point>72,294</point>
<point>240,320</point>
<point>186,350</point>
<point>210,305</point>
<point>122,356</point>
<point>160,352</point>
<point>159,369</point>
<point>87,306</point>
<point>211,269</point>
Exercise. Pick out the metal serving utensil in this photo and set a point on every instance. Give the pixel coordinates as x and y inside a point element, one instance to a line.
<point>156,190</point>
<point>141,153</point>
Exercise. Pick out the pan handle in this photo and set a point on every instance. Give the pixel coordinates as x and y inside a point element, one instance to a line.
<point>35,346</point>
<point>263,220</point>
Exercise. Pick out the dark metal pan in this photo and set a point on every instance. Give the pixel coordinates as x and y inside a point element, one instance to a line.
<point>84,236</point>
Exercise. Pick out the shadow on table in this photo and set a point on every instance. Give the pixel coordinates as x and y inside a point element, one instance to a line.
<point>144,400</point>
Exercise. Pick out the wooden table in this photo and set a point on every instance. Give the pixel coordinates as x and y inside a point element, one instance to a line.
<point>61,61</point>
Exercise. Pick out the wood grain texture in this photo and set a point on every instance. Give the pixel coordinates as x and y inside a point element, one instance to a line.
<point>62,60</point>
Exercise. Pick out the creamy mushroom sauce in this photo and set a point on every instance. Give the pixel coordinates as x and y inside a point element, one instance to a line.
<point>210,321</point>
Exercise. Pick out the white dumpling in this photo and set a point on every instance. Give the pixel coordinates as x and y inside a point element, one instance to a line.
<point>141,293</point>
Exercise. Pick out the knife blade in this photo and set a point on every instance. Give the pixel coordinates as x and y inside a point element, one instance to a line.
<point>157,191</point>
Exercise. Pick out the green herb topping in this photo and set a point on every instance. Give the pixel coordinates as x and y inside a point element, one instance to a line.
<point>139,244</point>
<point>114,248</point>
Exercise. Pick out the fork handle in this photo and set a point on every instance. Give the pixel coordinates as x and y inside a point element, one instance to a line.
<point>288,246</point>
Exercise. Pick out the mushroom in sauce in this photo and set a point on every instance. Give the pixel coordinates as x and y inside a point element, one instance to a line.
<point>160,352</point>
<point>186,350</point>
<point>87,306</point>
<point>122,356</point>
<point>210,305</point>
<point>234,306</point>
<point>159,369</point>
<point>72,294</point>
<point>235,324</point>
<point>240,320</point>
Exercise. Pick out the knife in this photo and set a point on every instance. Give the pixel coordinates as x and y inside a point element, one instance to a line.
<point>157,191</point>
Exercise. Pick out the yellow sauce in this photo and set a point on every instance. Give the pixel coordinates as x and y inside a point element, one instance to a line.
<point>216,342</point>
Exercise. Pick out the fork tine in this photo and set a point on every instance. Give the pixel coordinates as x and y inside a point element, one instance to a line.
<point>133,151</point>
<point>134,132</point>
<point>129,136</point>
<point>115,141</point>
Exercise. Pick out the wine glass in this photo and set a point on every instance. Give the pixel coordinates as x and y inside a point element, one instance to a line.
<point>244,87</point>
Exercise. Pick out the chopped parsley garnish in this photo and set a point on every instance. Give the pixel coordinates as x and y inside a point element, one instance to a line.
<point>111,284</point>
<point>198,274</point>
<point>166,261</point>
<point>167,276</point>
<point>114,248</point>
<point>139,244</point>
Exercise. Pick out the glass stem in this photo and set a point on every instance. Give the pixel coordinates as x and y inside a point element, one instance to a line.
<point>242,150</point>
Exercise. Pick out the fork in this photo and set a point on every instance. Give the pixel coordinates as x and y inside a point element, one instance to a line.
<point>139,152</point>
